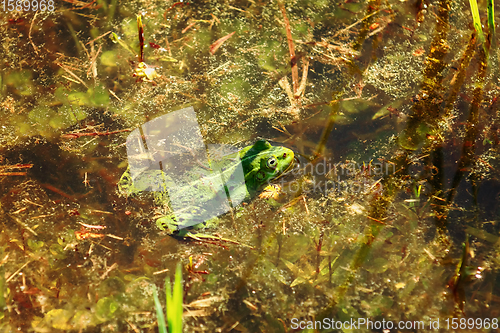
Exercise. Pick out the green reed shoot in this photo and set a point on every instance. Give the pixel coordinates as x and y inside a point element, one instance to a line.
<point>162,326</point>
<point>477,23</point>
<point>174,305</point>
<point>491,18</point>
<point>174,302</point>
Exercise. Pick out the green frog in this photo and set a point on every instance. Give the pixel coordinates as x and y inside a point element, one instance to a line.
<point>197,196</point>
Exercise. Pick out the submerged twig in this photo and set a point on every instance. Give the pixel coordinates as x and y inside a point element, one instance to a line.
<point>24,225</point>
<point>188,27</point>
<point>355,23</point>
<point>99,37</point>
<point>14,166</point>
<point>218,43</point>
<point>19,270</point>
<point>303,82</point>
<point>78,135</point>
<point>291,47</point>
<point>67,70</point>
<point>93,63</point>
<point>29,34</point>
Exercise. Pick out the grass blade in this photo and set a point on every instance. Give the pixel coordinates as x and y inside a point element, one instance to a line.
<point>162,326</point>
<point>491,18</point>
<point>477,22</point>
<point>174,302</point>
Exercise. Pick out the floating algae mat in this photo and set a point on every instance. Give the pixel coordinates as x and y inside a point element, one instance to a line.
<point>246,166</point>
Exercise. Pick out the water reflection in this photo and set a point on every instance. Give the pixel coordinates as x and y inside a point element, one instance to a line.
<point>168,156</point>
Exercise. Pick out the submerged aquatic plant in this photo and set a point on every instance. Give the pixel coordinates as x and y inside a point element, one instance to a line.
<point>477,23</point>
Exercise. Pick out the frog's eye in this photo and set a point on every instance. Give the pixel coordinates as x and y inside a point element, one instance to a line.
<point>261,175</point>
<point>272,163</point>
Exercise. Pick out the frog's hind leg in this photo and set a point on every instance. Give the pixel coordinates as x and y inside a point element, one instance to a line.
<point>187,234</point>
<point>210,238</point>
<point>171,226</point>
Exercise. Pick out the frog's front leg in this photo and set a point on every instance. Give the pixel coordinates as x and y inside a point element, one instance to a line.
<point>172,224</point>
<point>169,223</point>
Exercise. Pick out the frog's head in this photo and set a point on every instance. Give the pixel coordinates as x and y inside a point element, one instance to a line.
<point>263,162</point>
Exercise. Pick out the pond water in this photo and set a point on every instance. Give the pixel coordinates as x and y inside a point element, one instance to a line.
<point>311,166</point>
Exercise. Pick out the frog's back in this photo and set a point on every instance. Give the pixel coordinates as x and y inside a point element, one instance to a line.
<point>209,190</point>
